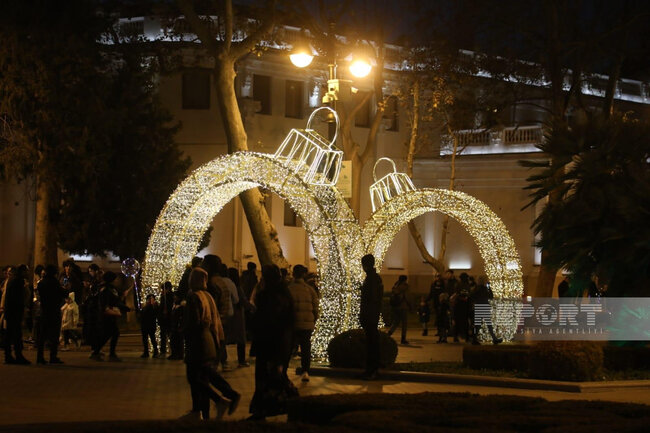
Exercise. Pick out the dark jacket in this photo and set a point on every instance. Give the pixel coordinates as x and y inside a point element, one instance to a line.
<point>273,324</point>
<point>165,309</point>
<point>372,291</point>
<point>108,298</point>
<point>148,317</point>
<point>52,297</point>
<point>15,299</point>
<point>248,282</point>
<point>200,341</point>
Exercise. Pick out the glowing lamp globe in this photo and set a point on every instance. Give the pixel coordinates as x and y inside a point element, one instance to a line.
<point>360,68</point>
<point>301,57</point>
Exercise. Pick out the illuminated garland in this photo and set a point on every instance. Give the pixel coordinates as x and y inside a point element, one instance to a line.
<point>328,220</point>
<point>502,265</point>
<point>334,232</point>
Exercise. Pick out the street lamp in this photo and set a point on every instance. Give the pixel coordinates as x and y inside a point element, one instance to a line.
<point>337,89</point>
<point>301,55</point>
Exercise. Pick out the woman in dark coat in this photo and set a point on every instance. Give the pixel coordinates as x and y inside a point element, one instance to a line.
<point>203,337</point>
<point>273,326</point>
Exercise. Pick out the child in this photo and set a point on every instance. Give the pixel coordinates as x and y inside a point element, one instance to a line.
<point>424,312</point>
<point>148,326</point>
<point>70,318</point>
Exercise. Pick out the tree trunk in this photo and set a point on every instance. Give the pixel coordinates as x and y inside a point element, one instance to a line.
<point>545,279</point>
<point>45,242</point>
<point>263,231</point>
<point>452,182</point>
<point>415,233</point>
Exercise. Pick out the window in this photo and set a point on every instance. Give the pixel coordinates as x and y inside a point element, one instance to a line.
<point>290,217</point>
<point>363,115</point>
<point>293,99</point>
<point>196,90</point>
<point>391,114</point>
<point>262,92</point>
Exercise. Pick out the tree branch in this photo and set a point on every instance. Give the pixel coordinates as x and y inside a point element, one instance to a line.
<point>240,49</point>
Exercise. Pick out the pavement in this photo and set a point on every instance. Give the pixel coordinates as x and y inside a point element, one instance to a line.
<point>138,389</point>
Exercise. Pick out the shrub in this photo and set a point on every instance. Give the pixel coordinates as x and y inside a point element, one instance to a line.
<point>626,358</point>
<point>348,350</point>
<point>508,357</point>
<point>566,360</point>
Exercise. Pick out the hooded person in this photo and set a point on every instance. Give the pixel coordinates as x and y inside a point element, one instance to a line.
<point>69,321</point>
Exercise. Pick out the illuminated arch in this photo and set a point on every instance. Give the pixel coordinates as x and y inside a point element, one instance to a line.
<point>502,264</point>
<point>328,220</point>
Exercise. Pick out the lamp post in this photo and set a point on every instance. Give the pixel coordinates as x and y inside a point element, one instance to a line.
<point>337,89</point>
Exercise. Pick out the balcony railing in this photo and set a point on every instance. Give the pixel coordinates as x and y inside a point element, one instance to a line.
<point>522,139</point>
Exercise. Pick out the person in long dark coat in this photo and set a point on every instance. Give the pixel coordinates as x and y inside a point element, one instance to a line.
<point>52,298</point>
<point>372,291</point>
<point>13,312</point>
<point>272,329</point>
<point>203,335</point>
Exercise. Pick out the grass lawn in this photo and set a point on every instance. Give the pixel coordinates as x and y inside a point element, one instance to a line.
<point>459,368</point>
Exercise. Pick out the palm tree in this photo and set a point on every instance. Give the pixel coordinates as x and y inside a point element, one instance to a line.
<point>599,226</point>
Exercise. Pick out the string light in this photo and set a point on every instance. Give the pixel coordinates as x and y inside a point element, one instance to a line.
<point>502,265</point>
<point>303,172</point>
<point>327,218</point>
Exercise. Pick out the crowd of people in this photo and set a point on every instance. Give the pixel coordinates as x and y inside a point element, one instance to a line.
<point>451,301</point>
<point>214,306</point>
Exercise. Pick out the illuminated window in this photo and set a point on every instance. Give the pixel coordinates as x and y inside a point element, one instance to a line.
<point>293,99</point>
<point>262,92</point>
<point>391,114</point>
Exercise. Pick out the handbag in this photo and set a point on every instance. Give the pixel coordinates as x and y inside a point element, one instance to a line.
<point>112,312</point>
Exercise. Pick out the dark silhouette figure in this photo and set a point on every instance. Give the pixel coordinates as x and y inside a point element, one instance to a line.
<point>372,291</point>
<point>13,310</point>
<point>52,298</point>
<point>273,325</point>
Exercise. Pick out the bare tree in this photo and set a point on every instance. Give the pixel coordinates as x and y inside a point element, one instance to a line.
<point>218,41</point>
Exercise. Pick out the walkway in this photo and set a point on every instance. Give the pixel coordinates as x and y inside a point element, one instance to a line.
<point>85,390</point>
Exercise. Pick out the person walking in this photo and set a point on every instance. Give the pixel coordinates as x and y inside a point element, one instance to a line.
<point>273,326</point>
<point>203,335</point>
<point>400,307</point>
<point>52,298</point>
<point>305,304</point>
<point>12,308</point>
<point>111,308</point>
<point>69,321</point>
<point>372,291</point>
<point>148,317</point>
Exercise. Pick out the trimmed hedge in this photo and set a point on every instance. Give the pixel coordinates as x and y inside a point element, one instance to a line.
<point>516,357</point>
<point>566,360</point>
<point>348,350</point>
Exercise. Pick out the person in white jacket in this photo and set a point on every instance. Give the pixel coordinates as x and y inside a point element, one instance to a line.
<point>70,318</point>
